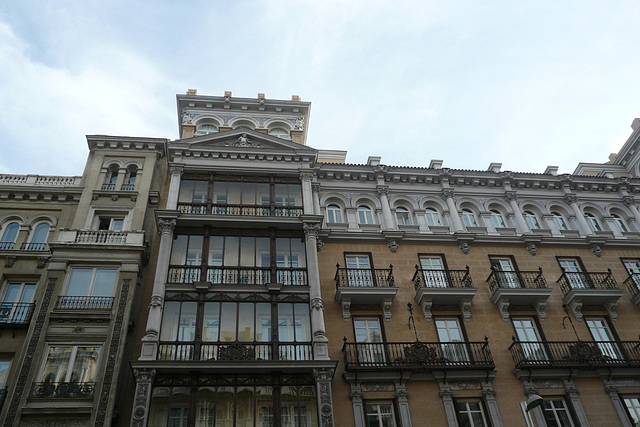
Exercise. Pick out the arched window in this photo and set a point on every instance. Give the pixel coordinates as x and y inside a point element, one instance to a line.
<point>403,216</point>
<point>334,213</point>
<point>497,219</point>
<point>364,215</point>
<point>433,217</point>
<point>280,133</point>
<point>244,128</point>
<point>593,222</point>
<point>130,179</point>
<point>38,238</point>
<point>622,226</point>
<point>112,178</point>
<point>559,220</point>
<point>206,129</point>
<point>9,235</point>
<point>532,220</point>
<point>469,218</point>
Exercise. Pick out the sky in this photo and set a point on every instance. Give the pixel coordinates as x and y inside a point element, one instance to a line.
<point>524,83</point>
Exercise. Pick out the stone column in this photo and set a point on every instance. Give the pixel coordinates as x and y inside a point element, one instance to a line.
<point>150,340</point>
<point>492,405</point>
<point>630,202</point>
<point>122,172</point>
<point>402,396</point>
<point>456,221</point>
<point>174,187</point>
<point>358,406</point>
<point>449,406</point>
<point>584,228</point>
<point>320,341</point>
<point>315,188</point>
<point>307,196</point>
<point>382,191</point>
<point>323,377</point>
<point>144,386</point>
<point>574,397</point>
<point>521,224</point>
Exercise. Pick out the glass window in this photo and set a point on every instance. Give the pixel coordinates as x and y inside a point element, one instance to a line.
<point>9,235</point>
<point>40,234</point>
<point>559,220</point>
<point>450,334</point>
<point>433,271</point>
<point>556,413</point>
<point>403,216</point>
<point>573,272</point>
<point>433,217</point>
<point>15,305</point>
<point>359,270</point>
<point>112,178</point>
<point>206,129</point>
<point>471,413</point>
<point>505,272</point>
<point>380,414</point>
<point>280,133</point>
<point>97,282</point>
<point>5,365</point>
<point>532,220</point>
<point>497,219</point>
<point>110,223</point>
<point>469,218</point>
<point>529,338</point>
<point>622,226</point>
<point>603,335</point>
<point>633,407</point>
<point>593,222</point>
<point>130,180</point>
<point>364,215</point>
<point>74,364</point>
<point>334,214</point>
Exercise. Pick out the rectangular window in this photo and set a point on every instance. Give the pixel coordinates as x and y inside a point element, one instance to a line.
<point>471,413</point>
<point>69,371</point>
<point>89,288</point>
<point>603,335</point>
<point>110,223</point>
<point>529,338</point>
<point>369,342</point>
<point>433,271</point>
<point>16,303</point>
<point>633,268</point>
<point>5,365</point>
<point>451,336</point>
<point>573,272</point>
<point>380,414</point>
<point>505,271</point>
<point>632,404</point>
<point>556,413</point>
<point>359,270</point>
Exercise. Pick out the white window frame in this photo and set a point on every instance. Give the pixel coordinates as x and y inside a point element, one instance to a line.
<point>365,215</point>
<point>505,264</point>
<point>200,129</point>
<point>334,212</point>
<point>555,409</point>
<point>35,229</point>
<point>452,348</point>
<point>574,272</point>
<point>560,221</point>
<point>433,217</point>
<point>620,223</point>
<point>403,216</point>
<point>593,222</point>
<point>528,335</point>
<point>468,218</point>
<point>603,334</point>
<point>4,240</point>
<point>95,212</point>
<point>467,412</point>
<point>280,132</point>
<point>632,404</point>
<point>382,418</point>
<point>434,272</point>
<point>532,220</point>
<point>497,219</point>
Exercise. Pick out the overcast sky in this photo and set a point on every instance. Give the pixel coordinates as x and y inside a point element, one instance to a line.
<point>525,83</point>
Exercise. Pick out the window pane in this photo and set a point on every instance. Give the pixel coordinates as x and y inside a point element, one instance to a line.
<point>85,365</point>
<point>57,364</point>
<point>170,320</point>
<point>262,194</point>
<point>298,255</point>
<point>200,192</point>
<point>245,322</point>
<point>194,255</point>
<point>104,283</point>
<point>215,250</point>
<point>187,331</point>
<point>186,191</point>
<point>247,252</point>
<point>226,407</point>
<point>263,322</point>
<point>231,251</point>
<point>5,364</point>
<point>41,233</point>
<point>248,193</point>
<point>303,325</point>
<point>263,252</point>
<point>10,232</point>
<point>206,410</point>
<point>228,322</point>
<point>211,321</point>
<point>282,194</point>
<point>285,322</point>
<point>220,192</point>
<point>233,193</point>
<point>244,410</point>
<point>283,253</point>
<point>295,195</point>
<point>79,281</point>
<point>179,250</point>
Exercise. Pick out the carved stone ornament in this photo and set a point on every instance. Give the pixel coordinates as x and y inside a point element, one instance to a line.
<point>144,375</point>
<point>597,250</point>
<point>187,118</point>
<point>315,187</point>
<point>316,304</point>
<point>532,248</point>
<point>402,395</point>
<point>306,176</point>
<point>530,390</point>
<point>42,261</point>
<point>243,141</point>
<point>9,261</point>
<point>356,395</point>
<point>571,198</point>
<point>628,200</point>
<point>299,123</point>
<point>311,230</point>
<point>448,193</point>
<point>612,389</point>
<point>489,392</point>
<point>510,196</point>
<point>166,226</point>
<point>446,394</point>
<point>156,301</point>
<point>393,246</point>
<point>176,169</point>
<point>382,190</point>
<point>323,374</point>
<point>319,245</point>
<point>464,247</point>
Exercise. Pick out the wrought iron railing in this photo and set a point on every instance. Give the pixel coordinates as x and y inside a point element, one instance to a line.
<point>6,246</point>
<point>364,277</point>
<point>16,313</point>
<point>62,390</point>
<point>34,247</point>
<point>546,354</point>
<point>83,302</point>
<point>570,281</point>
<point>441,278</point>
<point>234,351</point>
<point>237,275</point>
<point>417,355</point>
<point>102,236</point>
<point>633,284</point>
<point>239,209</point>
<point>108,187</point>
<point>516,280</point>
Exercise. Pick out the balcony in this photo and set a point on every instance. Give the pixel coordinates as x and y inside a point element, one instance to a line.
<point>127,187</point>
<point>575,354</point>
<point>84,303</point>
<point>6,246</point>
<point>633,284</point>
<point>417,356</point>
<point>235,351</point>
<point>237,275</point>
<point>443,287</point>
<point>16,313</point>
<point>101,237</point>
<point>519,288</point>
<point>108,187</point>
<point>63,390</point>
<point>226,209</point>
<point>590,289</point>
<point>365,286</point>
<point>34,247</point>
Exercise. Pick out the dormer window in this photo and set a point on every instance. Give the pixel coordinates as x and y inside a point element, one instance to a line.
<point>280,133</point>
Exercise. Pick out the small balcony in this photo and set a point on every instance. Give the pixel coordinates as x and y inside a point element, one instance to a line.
<point>365,286</point>
<point>519,288</point>
<point>575,354</point>
<point>581,288</point>
<point>417,356</point>
<point>259,276</point>
<point>108,187</point>
<point>84,303</point>
<point>443,287</point>
<point>235,351</point>
<point>13,314</point>
<point>34,247</point>
<point>127,187</point>
<point>6,246</point>
<point>226,209</point>
<point>633,284</point>
<point>62,390</point>
<point>101,237</point>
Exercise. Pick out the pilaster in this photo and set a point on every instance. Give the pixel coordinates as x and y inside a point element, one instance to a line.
<point>144,385</point>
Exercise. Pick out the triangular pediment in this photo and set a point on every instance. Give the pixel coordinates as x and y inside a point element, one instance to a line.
<point>243,140</point>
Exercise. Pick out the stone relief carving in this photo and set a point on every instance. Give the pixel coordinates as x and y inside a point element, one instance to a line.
<point>464,247</point>
<point>393,246</point>
<point>187,118</point>
<point>243,141</point>
<point>166,226</point>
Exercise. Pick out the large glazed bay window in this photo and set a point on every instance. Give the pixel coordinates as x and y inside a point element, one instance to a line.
<point>89,288</point>
<point>235,331</point>
<point>69,371</point>
<point>235,260</point>
<point>238,401</point>
<point>255,196</point>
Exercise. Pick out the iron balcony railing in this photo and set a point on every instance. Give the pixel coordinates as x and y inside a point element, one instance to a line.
<point>417,355</point>
<point>364,277</point>
<point>545,354</point>
<point>62,390</point>
<point>239,209</point>
<point>516,280</point>
<point>633,284</point>
<point>34,247</point>
<point>237,275</point>
<point>235,351</point>
<point>6,246</point>
<point>85,302</point>
<point>16,313</point>
<point>441,278</point>
<point>570,281</point>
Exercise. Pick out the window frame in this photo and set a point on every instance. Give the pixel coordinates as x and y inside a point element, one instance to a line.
<point>497,219</point>
<point>636,408</point>
<point>566,407</point>
<point>334,211</point>
<point>72,360</point>
<point>380,421</point>
<point>364,214</point>
<point>431,213</point>
<point>92,283</point>
<point>532,220</point>
<point>486,419</point>
<point>403,216</point>
<point>560,221</point>
<point>5,241</point>
<point>468,217</point>
<point>285,134</point>
<point>593,222</point>
<point>620,223</point>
